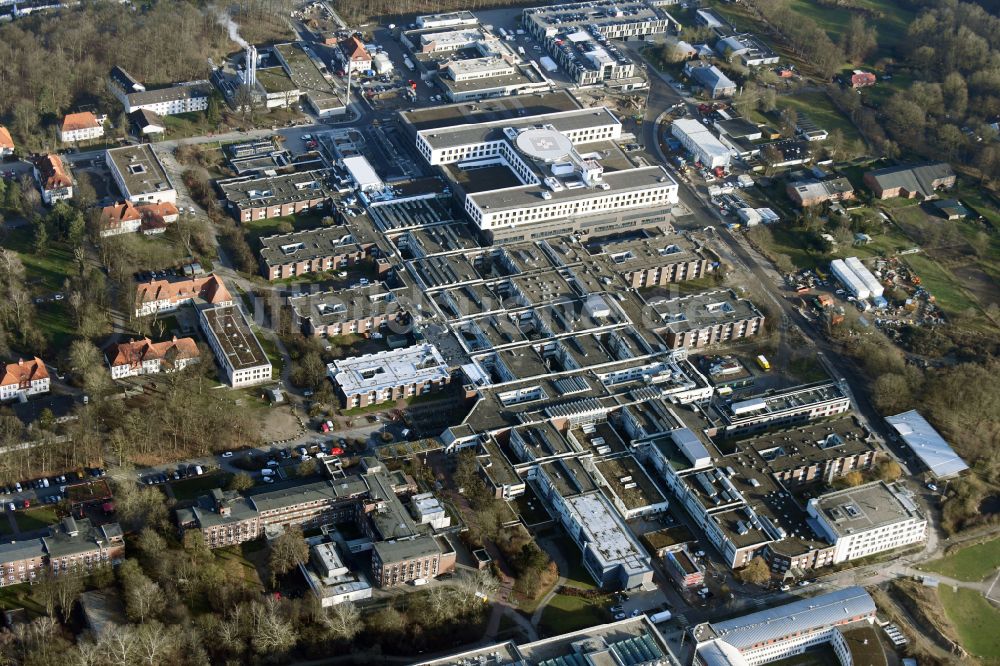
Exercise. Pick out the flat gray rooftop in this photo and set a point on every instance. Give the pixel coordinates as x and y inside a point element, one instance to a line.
<point>141,169</point>
<point>307,245</point>
<point>630,180</point>
<point>703,309</point>
<point>489,110</point>
<point>866,507</point>
<point>235,337</point>
<point>465,134</point>
<point>276,190</point>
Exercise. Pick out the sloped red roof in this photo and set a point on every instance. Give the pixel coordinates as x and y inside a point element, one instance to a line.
<point>24,372</point>
<point>53,174</point>
<point>78,121</point>
<point>135,352</point>
<point>208,287</point>
<point>355,49</point>
<point>115,214</point>
<point>5,140</point>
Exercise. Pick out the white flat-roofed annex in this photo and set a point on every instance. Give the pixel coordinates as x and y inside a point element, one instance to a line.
<point>608,535</point>
<point>389,369</point>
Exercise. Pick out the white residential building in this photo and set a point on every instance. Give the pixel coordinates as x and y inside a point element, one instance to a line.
<point>24,378</point>
<point>80,127</point>
<point>179,98</point>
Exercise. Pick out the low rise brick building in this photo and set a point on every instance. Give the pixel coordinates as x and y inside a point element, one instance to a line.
<point>312,251</point>
<point>71,547</point>
<point>252,198</point>
<point>348,311</point>
<point>707,318</point>
<point>652,262</point>
<point>390,375</point>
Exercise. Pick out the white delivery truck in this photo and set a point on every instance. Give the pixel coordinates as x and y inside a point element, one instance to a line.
<point>662,616</point>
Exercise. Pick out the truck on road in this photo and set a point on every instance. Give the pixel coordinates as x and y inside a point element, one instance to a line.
<point>662,616</point>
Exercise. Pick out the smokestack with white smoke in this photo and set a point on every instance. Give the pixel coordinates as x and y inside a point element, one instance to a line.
<point>224,19</point>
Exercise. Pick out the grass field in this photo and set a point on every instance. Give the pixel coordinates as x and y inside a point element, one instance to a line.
<point>43,272</point>
<point>891,20</point>
<point>942,284</point>
<point>566,613</point>
<point>818,107</point>
<point>891,25</point>
<point>19,596</point>
<point>257,229</point>
<point>972,564</point>
<point>975,619</point>
<point>36,519</point>
<point>190,489</point>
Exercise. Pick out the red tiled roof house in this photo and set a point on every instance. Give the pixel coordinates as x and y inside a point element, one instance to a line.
<point>145,357</point>
<point>24,378</point>
<point>165,295</point>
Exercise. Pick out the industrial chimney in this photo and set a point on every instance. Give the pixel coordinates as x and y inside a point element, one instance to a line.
<point>250,72</point>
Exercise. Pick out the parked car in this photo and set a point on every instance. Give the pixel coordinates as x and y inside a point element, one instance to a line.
<point>227,454</point>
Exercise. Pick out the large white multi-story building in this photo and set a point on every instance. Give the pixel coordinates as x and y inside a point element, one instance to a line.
<point>235,346</point>
<point>543,175</point>
<point>179,98</point>
<point>868,519</point>
<point>577,35</point>
<point>776,633</point>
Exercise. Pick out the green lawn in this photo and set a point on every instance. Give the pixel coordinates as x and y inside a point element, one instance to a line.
<point>56,324</point>
<point>19,596</point>
<point>948,291</point>
<point>257,229</point>
<point>36,519</point>
<point>45,272</point>
<point>975,619</point>
<point>271,350</point>
<point>891,24</point>
<point>577,576</point>
<point>190,489</point>
<point>566,613</point>
<point>821,111</point>
<point>184,125</point>
<point>973,563</point>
